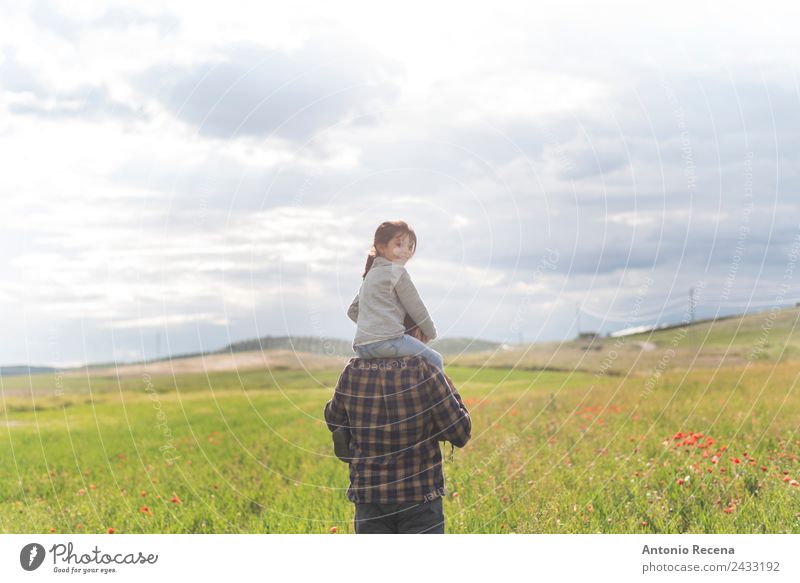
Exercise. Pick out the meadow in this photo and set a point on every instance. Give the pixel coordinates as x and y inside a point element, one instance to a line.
<point>610,447</point>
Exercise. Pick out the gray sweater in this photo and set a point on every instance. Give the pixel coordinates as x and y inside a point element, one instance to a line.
<point>386,295</point>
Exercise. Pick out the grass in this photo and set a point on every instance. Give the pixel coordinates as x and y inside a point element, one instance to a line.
<point>552,452</point>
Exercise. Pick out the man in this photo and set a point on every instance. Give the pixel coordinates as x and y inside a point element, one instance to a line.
<point>396,411</point>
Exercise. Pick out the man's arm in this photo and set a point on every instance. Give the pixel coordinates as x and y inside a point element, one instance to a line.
<point>335,414</point>
<point>411,301</point>
<point>352,311</point>
<point>450,417</point>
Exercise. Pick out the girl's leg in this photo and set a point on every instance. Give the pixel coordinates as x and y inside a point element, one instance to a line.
<point>381,349</point>
<point>410,346</point>
<point>405,346</point>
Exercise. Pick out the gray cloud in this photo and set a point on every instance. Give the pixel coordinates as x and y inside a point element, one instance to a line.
<point>259,92</point>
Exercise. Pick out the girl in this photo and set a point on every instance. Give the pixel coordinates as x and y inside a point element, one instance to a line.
<point>387,298</point>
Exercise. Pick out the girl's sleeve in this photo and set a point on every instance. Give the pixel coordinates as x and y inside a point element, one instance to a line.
<point>352,311</point>
<point>413,305</point>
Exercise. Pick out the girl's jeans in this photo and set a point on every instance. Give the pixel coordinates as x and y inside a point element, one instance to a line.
<point>405,346</point>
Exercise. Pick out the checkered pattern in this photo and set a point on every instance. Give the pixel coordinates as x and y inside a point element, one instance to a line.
<point>397,410</point>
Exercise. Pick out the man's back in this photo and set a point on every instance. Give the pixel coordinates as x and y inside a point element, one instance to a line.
<point>397,410</point>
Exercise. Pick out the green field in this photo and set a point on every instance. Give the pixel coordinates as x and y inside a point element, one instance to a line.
<point>551,452</point>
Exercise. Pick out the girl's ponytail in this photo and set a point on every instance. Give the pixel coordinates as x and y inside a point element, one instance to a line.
<point>370,260</point>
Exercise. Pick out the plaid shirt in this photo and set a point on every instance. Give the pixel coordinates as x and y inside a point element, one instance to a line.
<point>397,410</point>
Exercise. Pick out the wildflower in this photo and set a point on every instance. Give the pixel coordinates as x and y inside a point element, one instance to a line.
<point>730,509</point>
<point>92,487</point>
<point>334,530</point>
<point>455,494</point>
<point>736,460</point>
<point>143,493</point>
<point>794,483</point>
<point>111,531</point>
<point>175,499</point>
<point>679,481</point>
<point>52,529</point>
<point>644,523</point>
<point>145,510</point>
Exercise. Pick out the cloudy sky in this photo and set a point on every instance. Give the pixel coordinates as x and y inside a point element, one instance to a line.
<point>176,177</point>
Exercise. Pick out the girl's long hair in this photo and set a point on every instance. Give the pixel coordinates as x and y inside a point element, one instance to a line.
<point>385,233</point>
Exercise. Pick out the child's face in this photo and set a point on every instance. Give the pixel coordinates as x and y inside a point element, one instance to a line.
<point>400,249</point>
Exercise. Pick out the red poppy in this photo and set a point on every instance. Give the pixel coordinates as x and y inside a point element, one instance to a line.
<point>334,530</point>
<point>736,460</point>
<point>111,531</point>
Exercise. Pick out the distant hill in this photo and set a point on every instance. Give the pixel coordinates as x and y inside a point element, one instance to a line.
<point>337,347</point>
<point>8,371</point>
<point>770,335</point>
<point>313,345</point>
<point>765,336</point>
